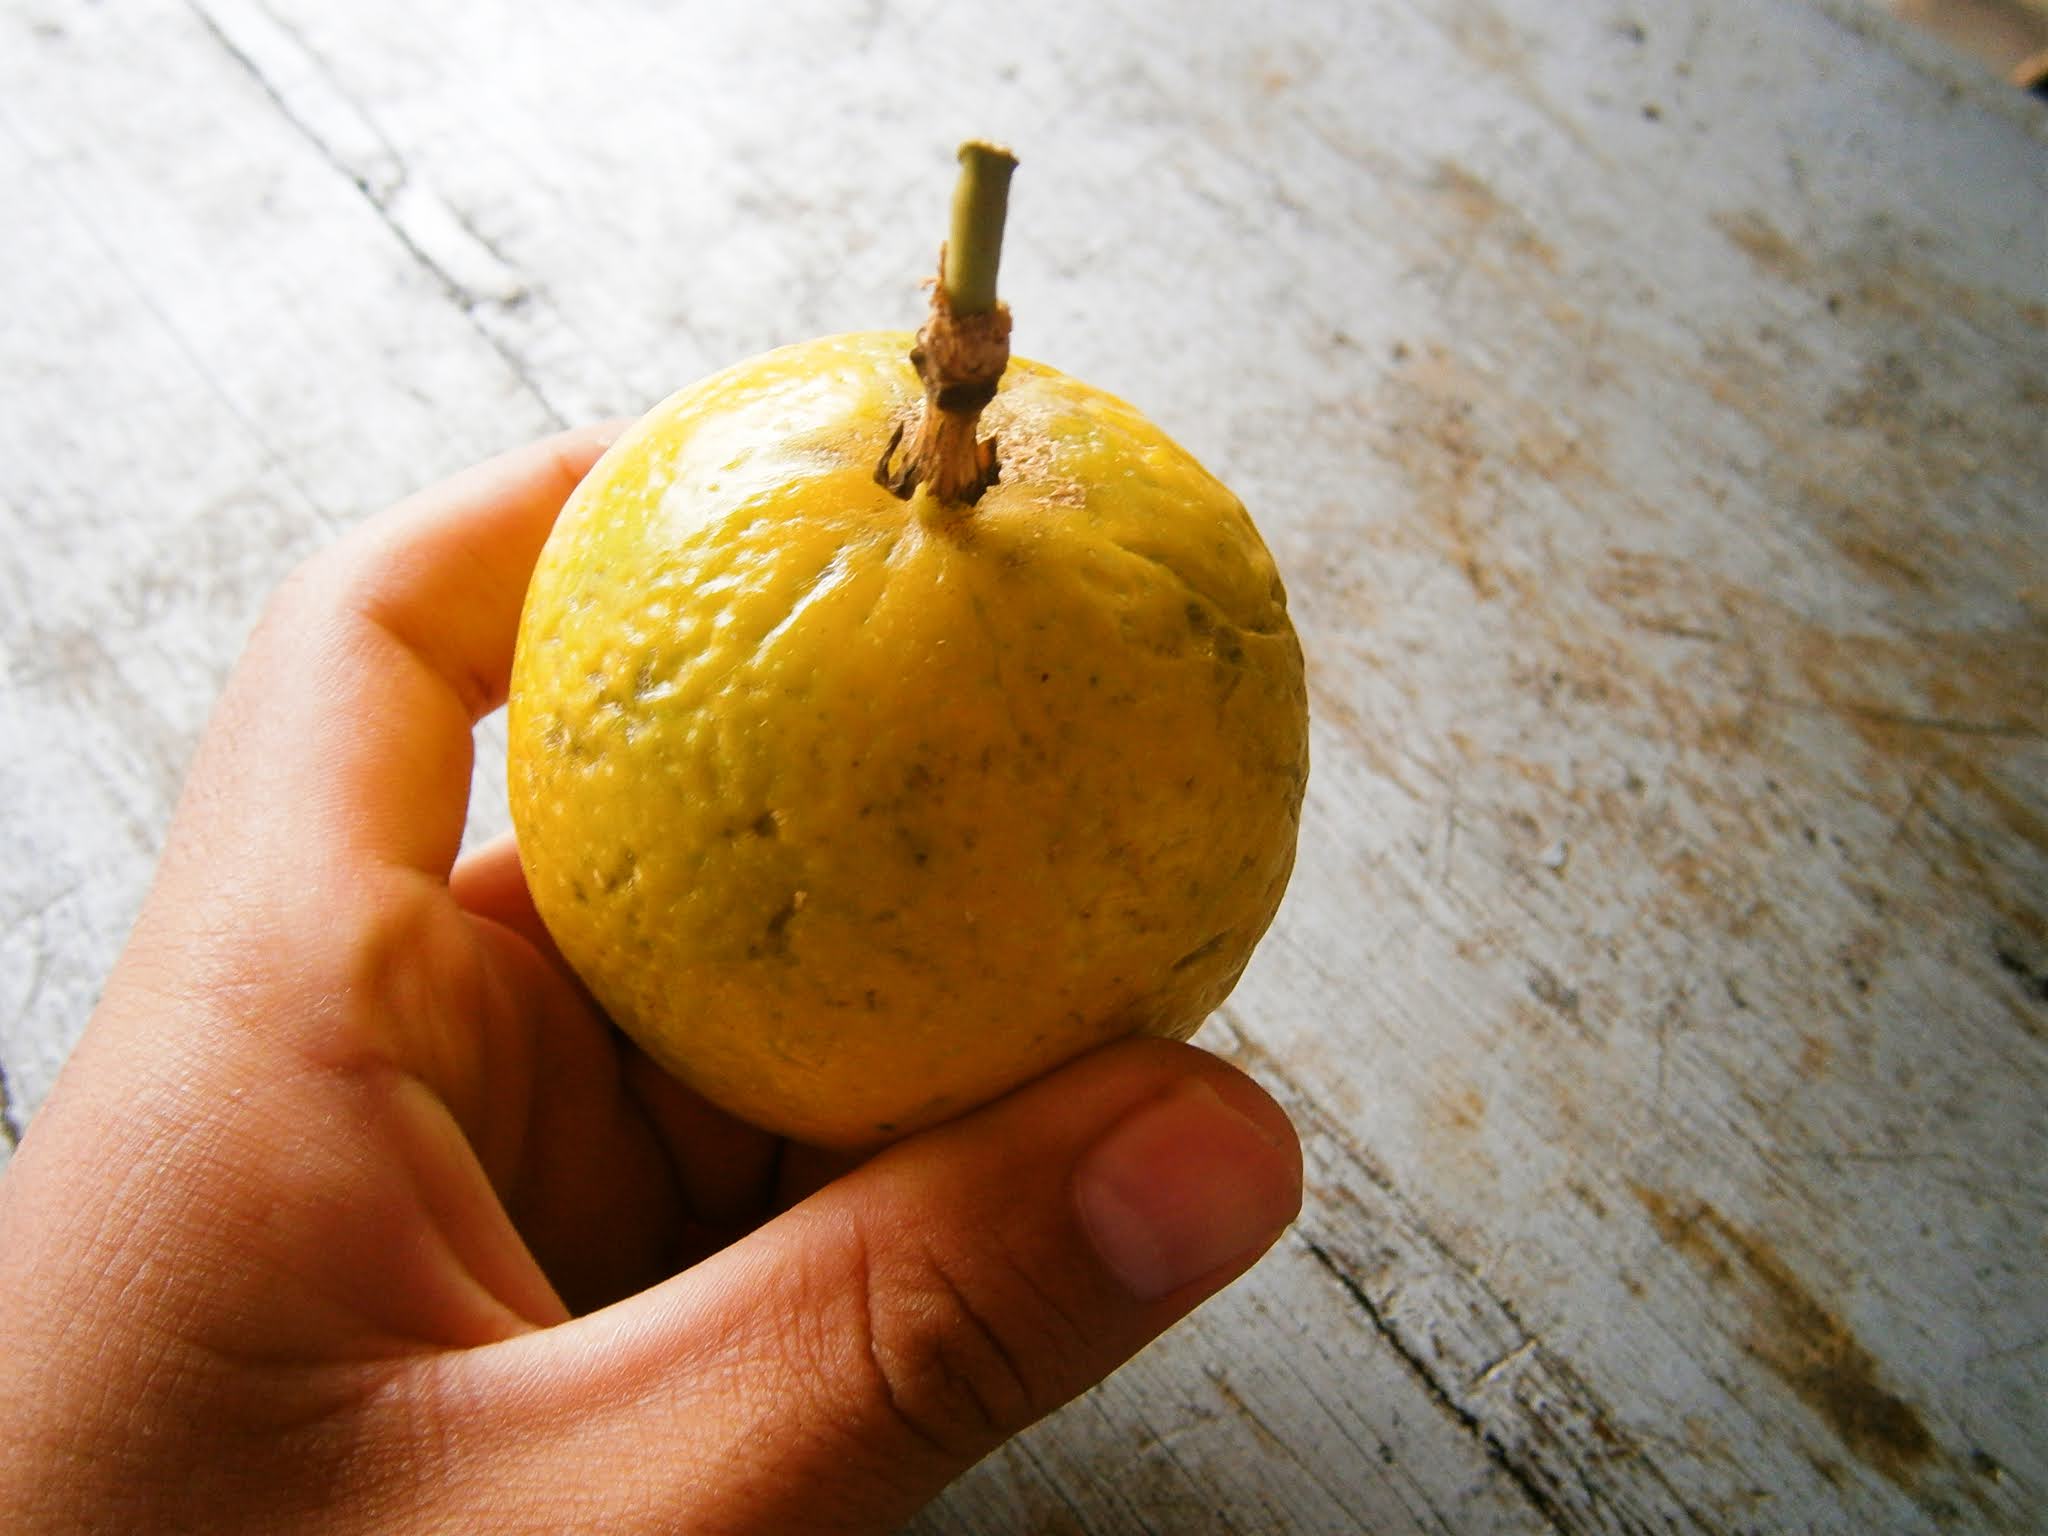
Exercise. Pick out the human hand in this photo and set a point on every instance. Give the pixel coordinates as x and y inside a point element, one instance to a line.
<point>349,1213</point>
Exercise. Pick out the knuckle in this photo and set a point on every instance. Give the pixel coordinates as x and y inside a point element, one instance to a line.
<point>948,1352</point>
<point>306,590</point>
<point>294,622</point>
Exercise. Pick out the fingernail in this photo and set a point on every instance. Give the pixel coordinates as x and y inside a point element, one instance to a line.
<point>1182,1187</point>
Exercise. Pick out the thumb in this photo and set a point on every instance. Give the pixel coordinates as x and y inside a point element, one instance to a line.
<point>837,1368</point>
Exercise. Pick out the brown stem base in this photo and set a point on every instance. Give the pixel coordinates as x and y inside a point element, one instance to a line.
<point>961,359</point>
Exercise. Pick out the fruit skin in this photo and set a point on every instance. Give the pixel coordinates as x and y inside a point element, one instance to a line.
<point>855,812</point>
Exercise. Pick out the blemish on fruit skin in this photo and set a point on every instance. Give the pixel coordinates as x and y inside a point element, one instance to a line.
<point>1201,951</point>
<point>622,873</point>
<point>774,941</point>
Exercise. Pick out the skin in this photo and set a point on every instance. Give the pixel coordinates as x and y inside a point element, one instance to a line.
<point>350,1213</point>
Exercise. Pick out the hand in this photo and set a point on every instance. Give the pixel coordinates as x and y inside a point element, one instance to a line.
<point>349,1213</point>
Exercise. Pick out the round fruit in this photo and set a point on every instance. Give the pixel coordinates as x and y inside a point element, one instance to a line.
<point>855,809</point>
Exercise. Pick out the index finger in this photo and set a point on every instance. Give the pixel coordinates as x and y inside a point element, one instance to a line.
<point>344,734</point>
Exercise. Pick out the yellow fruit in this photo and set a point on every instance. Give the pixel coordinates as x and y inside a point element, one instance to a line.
<point>855,811</point>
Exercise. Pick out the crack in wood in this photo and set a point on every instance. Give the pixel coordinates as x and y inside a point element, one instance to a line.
<point>1570,1497</point>
<point>1467,1420</point>
<point>383,198</point>
<point>1544,1427</point>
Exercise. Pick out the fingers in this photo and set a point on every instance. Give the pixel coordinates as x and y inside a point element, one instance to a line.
<point>490,883</point>
<point>344,734</point>
<point>725,1170</point>
<point>838,1367</point>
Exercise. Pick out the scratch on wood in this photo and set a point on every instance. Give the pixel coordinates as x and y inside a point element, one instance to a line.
<point>1234,1400</point>
<point>1519,1352</point>
<point>1464,1417</point>
<point>2014,964</point>
<point>1058,1491</point>
<point>1163,1446</point>
<point>2009,1352</point>
<point>1664,1051</point>
<point>1289,1446</point>
<point>2011,730</point>
<point>1132,1504</point>
<point>1675,628</point>
<point>1914,800</point>
<point>1550,990</point>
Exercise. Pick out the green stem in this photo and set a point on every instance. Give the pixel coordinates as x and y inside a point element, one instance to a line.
<point>962,348</point>
<point>975,250</point>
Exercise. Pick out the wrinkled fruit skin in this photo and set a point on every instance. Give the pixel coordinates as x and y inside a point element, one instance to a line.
<point>856,812</point>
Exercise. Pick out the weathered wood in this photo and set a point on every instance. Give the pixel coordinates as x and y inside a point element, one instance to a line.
<point>1646,408</point>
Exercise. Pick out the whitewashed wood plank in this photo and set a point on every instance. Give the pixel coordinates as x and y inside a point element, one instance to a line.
<point>217,354</point>
<point>343,148</point>
<point>1337,1439</point>
<point>1645,406</point>
<point>1579,851</point>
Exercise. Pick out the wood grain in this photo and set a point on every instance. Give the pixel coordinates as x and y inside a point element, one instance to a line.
<point>1645,406</point>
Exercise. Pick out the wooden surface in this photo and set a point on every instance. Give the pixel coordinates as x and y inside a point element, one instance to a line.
<point>1646,406</point>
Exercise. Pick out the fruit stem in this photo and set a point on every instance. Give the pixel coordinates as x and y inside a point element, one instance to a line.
<point>964,345</point>
<point>981,199</point>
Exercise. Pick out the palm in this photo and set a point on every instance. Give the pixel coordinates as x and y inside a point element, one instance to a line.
<point>480,1153</point>
<point>613,1174</point>
<point>475,1151</point>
